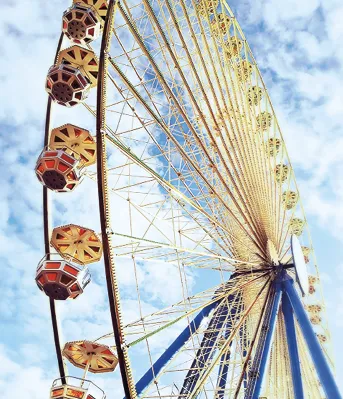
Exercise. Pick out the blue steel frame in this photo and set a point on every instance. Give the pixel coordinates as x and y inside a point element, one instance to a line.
<point>292,348</point>
<point>222,374</point>
<point>207,346</point>
<point>224,366</point>
<point>265,343</point>
<point>181,340</point>
<point>244,345</point>
<point>323,369</point>
<point>284,292</point>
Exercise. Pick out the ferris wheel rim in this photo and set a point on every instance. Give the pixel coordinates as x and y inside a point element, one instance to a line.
<point>102,136</point>
<point>122,9</point>
<point>47,229</point>
<point>113,295</point>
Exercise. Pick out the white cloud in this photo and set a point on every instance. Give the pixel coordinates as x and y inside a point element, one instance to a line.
<point>276,11</point>
<point>312,47</point>
<point>17,380</point>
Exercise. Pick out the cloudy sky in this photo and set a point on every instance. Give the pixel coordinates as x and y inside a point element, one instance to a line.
<point>298,46</point>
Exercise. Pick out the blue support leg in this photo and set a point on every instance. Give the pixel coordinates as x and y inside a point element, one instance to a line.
<point>207,347</point>
<point>179,342</point>
<point>224,366</point>
<point>222,375</point>
<point>264,345</point>
<point>323,369</point>
<point>243,338</point>
<point>292,348</point>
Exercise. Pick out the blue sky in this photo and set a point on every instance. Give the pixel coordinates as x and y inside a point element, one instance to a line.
<point>298,48</point>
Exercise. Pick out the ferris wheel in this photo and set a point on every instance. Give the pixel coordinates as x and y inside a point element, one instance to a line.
<point>196,189</point>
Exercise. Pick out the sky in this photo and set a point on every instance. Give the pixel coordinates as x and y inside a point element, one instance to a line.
<point>298,48</point>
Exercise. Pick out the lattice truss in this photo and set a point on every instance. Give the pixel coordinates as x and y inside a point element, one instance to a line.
<point>279,375</point>
<point>198,165</point>
<point>197,133</point>
<point>219,342</point>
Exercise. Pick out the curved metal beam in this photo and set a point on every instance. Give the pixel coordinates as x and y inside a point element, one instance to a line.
<point>104,206</point>
<point>47,229</point>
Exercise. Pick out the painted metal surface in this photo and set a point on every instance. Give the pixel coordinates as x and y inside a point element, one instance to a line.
<point>208,344</point>
<point>264,345</point>
<point>323,369</point>
<point>104,207</point>
<point>292,348</point>
<point>222,374</point>
<point>224,361</point>
<point>149,376</point>
<point>47,229</point>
